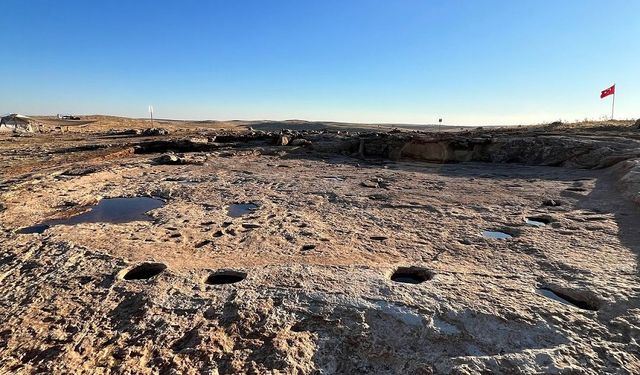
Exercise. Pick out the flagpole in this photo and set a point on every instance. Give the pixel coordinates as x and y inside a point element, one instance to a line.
<point>613,102</point>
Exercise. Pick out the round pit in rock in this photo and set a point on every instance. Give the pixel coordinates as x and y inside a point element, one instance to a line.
<point>411,275</point>
<point>571,300</point>
<point>144,271</point>
<point>378,238</point>
<point>225,277</point>
<point>537,221</point>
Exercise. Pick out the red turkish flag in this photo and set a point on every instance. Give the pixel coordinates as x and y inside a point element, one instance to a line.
<point>606,92</point>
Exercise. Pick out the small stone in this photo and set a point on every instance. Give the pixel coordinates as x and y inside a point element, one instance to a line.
<point>369,184</point>
<point>167,159</point>
<point>551,203</point>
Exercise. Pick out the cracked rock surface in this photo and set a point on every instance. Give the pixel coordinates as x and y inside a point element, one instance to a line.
<point>279,259</point>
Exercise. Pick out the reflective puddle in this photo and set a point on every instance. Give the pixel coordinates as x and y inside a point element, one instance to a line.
<point>111,210</point>
<point>536,221</point>
<point>240,209</point>
<point>496,235</point>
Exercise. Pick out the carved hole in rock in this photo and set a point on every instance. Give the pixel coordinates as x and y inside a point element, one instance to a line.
<point>411,275</point>
<point>496,235</point>
<point>537,221</point>
<point>561,297</point>
<point>203,243</point>
<point>378,238</point>
<point>225,277</point>
<point>144,271</point>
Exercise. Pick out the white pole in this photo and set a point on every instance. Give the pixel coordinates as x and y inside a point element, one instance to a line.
<point>613,102</point>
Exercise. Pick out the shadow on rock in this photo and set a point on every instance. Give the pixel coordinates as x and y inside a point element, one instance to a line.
<point>130,311</point>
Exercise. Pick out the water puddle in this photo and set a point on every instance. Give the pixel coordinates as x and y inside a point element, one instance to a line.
<point>564,299</point>
<point>111,210</point>
<point>496,235</point>
<point>536,221</point>
<point>240,209</point>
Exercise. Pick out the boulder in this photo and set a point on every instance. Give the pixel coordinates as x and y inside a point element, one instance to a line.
<point>154,131</point>
<point>80,171</point>
<point>124,132</point>
<point>283,140</point>
<point>168,159</point>
<point>300,142</point>
<point>628,173</point>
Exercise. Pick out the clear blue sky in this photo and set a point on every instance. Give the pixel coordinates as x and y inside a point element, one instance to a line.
<point>405,61</point>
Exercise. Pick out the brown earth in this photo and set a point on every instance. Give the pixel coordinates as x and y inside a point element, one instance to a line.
<point>338,211</point>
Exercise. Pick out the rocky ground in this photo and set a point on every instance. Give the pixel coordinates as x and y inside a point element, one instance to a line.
<point>313,277</point>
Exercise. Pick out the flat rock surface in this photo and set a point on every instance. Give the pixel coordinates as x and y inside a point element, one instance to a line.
<point>307,269</point>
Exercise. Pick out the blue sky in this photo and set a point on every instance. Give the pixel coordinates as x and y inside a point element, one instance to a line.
<point>470,62</point>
